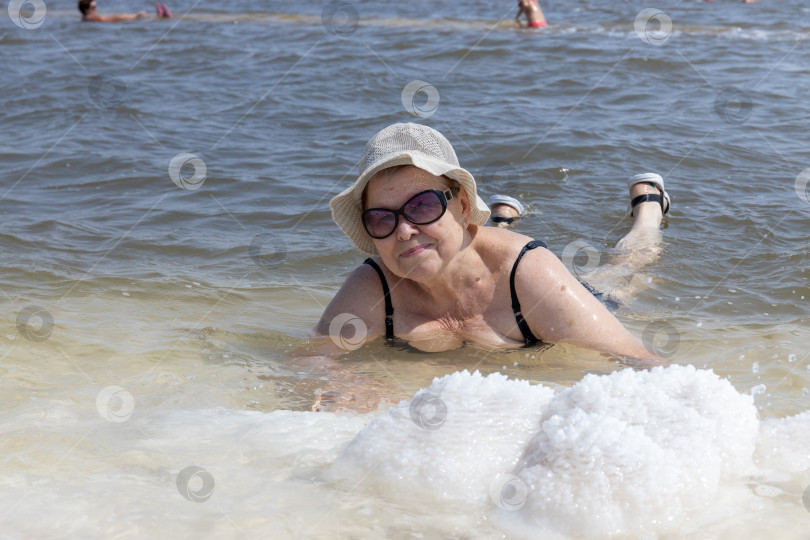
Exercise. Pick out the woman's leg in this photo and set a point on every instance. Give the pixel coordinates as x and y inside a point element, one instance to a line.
<point>637,249</point>
<point>642,245</point>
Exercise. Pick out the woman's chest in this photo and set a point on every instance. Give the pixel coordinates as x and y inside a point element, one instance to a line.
<point>494,326</point>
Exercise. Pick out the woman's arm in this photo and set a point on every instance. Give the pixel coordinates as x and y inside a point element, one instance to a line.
<point>354,316</point>
<point>520,12</point>
<point>342,387</point>
<point>359,305</point>
<point>559,309</point>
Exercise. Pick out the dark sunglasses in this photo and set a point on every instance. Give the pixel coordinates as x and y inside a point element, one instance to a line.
<point>423,208</point>
<point>499,219</point>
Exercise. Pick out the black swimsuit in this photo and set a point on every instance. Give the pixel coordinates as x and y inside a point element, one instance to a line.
<point>528,338</point>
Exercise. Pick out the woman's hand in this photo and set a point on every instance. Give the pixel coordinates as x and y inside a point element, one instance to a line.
<point>344,388</point>
<point>352,392</point>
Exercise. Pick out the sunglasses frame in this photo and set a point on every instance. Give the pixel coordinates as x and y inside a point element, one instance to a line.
<point>500,219</point>
<point>444,198</point>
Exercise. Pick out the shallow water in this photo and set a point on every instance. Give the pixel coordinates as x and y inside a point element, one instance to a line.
<point>167,315</point>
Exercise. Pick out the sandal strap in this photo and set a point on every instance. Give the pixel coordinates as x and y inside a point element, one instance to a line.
<point>649,197</point>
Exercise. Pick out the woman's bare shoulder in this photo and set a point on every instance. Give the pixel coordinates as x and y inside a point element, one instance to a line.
<point>500,244</point>
<point>361,295</point>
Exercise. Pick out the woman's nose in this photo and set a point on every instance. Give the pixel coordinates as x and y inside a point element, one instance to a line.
<point>405,229</point>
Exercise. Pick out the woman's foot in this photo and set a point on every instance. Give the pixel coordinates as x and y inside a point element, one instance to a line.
<point>163,11</point>
<point>648,199</point>
<point>641,246</point>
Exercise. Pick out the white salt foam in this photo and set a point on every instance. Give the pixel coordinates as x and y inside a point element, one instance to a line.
<point>452,439</point>
<point>633,452</point>
<point>636,451</point>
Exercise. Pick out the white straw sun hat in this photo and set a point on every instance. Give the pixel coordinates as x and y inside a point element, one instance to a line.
<point>402,144</point>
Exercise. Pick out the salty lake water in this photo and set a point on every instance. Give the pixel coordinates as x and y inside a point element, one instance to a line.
<point>148,324</point>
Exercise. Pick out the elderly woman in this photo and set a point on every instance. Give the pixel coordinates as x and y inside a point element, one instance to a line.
<point>439,279</point>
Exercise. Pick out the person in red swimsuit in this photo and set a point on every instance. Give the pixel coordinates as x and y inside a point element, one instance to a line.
<point>534,15</point>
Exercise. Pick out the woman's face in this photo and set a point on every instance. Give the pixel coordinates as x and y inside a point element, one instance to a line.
<point>418,252</point>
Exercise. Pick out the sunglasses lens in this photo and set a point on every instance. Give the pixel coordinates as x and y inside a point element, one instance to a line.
<point>424,208</point>
<point>379,223</point>
<point>499,219</point>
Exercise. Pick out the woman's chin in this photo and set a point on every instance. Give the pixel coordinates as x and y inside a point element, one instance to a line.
<point>420,268</point>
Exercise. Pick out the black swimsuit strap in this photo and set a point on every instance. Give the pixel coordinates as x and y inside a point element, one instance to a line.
<point>389,307</point>
<point>528,338</point>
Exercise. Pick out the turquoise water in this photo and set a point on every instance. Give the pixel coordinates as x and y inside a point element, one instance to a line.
<point>182,305</point>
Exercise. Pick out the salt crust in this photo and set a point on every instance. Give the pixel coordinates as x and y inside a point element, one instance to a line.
<point>630,452</point>
<point>484,431</point>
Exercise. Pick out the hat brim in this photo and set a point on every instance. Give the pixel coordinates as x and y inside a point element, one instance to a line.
<point>347,206</point>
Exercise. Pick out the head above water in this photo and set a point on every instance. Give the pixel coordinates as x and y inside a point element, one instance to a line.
<point>86,5</point>
<point>396,145</point>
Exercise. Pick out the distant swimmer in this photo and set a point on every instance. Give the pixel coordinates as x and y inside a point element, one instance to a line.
<point>89,11</point>
<point>534,15</point>
<point>505,210</point>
